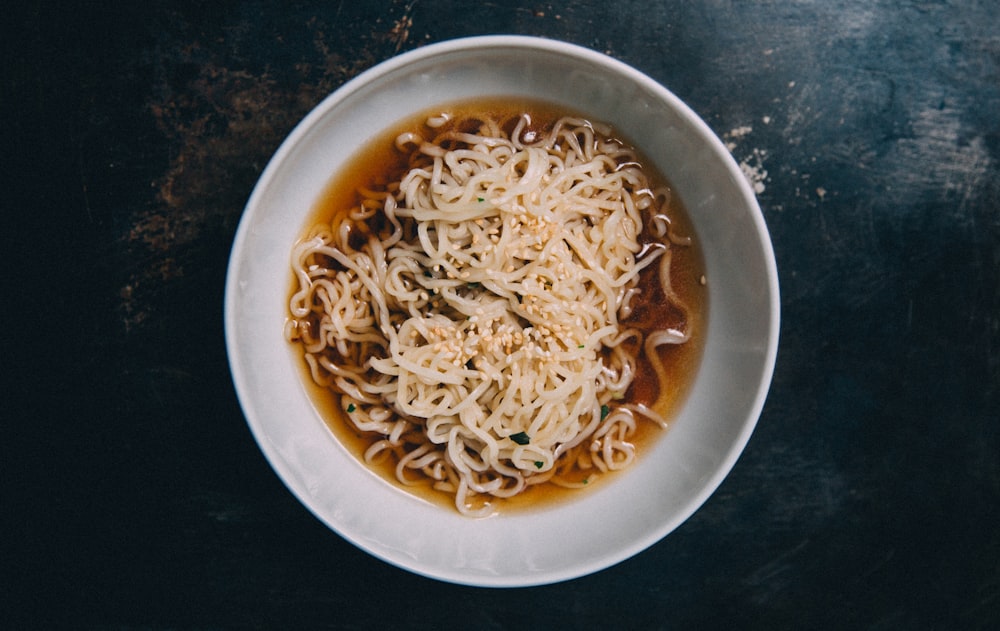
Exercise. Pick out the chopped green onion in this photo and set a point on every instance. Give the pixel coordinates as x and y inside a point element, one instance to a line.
<point>480,199</point>
<point>350,407</point>
<point>539,464</point>
<point>520,438</point>
<point>582,346</point>
<point>605,410</point>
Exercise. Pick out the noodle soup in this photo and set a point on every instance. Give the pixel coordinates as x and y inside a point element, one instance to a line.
<point>498,303</point>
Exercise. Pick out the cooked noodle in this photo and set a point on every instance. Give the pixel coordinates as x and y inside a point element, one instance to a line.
<point>471,314</point>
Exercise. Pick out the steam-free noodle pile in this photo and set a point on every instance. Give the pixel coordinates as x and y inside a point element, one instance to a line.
<point>471,313</point>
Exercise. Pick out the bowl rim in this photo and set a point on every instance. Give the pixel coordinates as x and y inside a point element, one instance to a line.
<point>704,132</point>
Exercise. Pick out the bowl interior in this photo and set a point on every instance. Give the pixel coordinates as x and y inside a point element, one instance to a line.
<point>607,524</point>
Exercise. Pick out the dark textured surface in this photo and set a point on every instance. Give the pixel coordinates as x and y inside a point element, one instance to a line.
<point>134,496</point>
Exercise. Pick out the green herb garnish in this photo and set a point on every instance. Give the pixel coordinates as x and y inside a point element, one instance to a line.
<point>350,407</point>
<point>539,464</point>
<point>480,199</point>
<point>520,438</point>
<point>605,410</point>
<point>582,346</point>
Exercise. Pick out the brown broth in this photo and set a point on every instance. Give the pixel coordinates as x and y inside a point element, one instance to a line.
<point>379,162</point>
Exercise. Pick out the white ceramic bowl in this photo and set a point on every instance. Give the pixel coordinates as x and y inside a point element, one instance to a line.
<point>607,524</point>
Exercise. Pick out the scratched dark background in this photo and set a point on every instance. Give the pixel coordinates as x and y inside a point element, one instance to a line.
<point>135,498</point>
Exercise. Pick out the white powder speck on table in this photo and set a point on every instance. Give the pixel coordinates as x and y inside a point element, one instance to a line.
<point>752,165</point>
<point>754,171</point>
